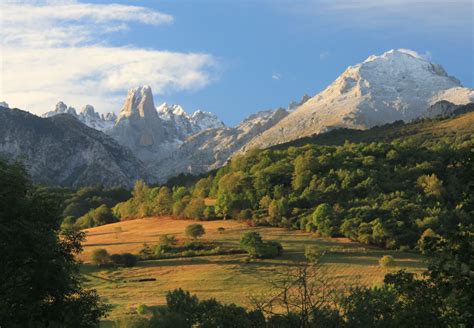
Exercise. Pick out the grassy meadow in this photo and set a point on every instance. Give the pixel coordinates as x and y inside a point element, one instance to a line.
<point>228,278</point>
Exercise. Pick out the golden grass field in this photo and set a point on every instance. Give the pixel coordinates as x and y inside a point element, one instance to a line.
<point>227,278</point>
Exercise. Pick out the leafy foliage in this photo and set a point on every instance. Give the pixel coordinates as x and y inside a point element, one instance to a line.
<point>41,285</point>
<point>195,231</point>
<point>386,188</point>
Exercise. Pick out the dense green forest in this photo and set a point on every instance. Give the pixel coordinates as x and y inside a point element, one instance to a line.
<point>415,183</point>
<point>88,206</point>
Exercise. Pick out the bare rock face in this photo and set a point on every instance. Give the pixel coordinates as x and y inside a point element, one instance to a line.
<point>397,85</point>
<point>62,151</point>
<point>139,127</point>
<point>212,148</point>
<point>442,108</point>
<point>87,115</point>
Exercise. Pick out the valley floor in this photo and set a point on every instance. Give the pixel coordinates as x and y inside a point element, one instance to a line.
<point>228,278</point>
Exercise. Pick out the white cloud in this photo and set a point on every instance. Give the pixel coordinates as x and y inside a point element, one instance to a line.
<point>324,55</point>
<point>55,51</point>
<point>276,76</point>
<point>441,14</point>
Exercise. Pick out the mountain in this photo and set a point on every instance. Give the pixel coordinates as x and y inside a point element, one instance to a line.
<point>185,124</point>
<point>212,148</point>
<point>397,85</point>
<point>88,116</point>
<point>61,150</point>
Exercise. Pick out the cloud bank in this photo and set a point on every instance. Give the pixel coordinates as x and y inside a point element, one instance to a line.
<point>58,50</point>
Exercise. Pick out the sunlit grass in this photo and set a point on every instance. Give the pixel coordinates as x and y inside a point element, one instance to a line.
<point>228,278</point>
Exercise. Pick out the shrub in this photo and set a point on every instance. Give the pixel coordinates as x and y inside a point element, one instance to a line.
<point>100,256</point>
<point>195,230</point>
<point>253,244</point>
<point>129,260</point>
<point>387,261</point>
<point>143,309</point>
<point>126,259</point>
<point>313,253</point>
<point>194,245</point>
<point>269,250</point>
<point>146,251</point>
<point>132,322</point>
<point>167,240</point>
<point>116,259</point>
<point>220,229</point>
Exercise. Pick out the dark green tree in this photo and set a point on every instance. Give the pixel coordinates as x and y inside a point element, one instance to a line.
<point>41,285</point>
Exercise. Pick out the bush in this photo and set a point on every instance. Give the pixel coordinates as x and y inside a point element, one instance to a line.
<point>269,250</point>
<point>194,245</point>
<point>132,322</point>
<point>100,256</point>
<point>387,261</point>
<point>220,229</point>
<point>143,309</point>
<point>253,244</point>
<point>313,253</point>
<point>167,240</point>
<point>127,260</point>
<point>195,230</point>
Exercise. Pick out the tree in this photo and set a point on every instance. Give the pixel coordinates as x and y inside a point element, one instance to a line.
<point>323,219</point>
<point>167,240</point>
<point>253,244</point>
<point>100,256</point>
<point>41,284</point>
<point>195,208</point>
<point>126,259</point>
<point>164,202</point>
<point>96,217</point>
<point>431,185</point>
<point>304,296</point>
<point>313,254</point>
<point>250,242</point>
<point>387,261</point>
<point>195,231</point>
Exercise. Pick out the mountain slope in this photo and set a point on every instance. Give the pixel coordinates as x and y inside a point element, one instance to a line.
<point>88,116</point>
<point>212,148</point>
<point>63,151</point>
<point>398,85</point>
<point>459,125</point>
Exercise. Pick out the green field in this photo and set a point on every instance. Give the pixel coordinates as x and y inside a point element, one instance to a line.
<point>228,278</point>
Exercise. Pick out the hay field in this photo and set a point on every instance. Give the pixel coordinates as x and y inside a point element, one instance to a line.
<point>227,278</point>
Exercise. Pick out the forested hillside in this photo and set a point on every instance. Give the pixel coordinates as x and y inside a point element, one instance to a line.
<point>412,181</point>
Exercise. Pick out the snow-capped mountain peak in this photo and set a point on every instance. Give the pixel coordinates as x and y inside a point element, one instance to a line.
<point>206,120</point>
<point>396,85</point>
<point>167,112</point>
<point>87,115</point>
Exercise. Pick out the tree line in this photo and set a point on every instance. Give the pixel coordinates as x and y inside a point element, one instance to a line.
<point>389,194</point>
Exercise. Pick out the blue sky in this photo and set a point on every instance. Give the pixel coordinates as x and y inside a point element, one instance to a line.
<point>232,58</point>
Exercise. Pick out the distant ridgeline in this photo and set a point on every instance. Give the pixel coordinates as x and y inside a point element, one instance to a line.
<point>391,186</point>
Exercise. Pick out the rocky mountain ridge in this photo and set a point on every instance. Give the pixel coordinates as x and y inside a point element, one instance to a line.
<point>397,85</point>
<point>62,151</point>
<point>165,141</point>
<point>87,115</point>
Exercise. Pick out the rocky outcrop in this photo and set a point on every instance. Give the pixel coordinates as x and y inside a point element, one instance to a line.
<point>62,151</point>
<point>88,116</point>
<point>212,148</point>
